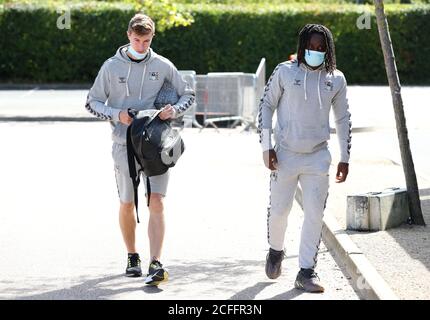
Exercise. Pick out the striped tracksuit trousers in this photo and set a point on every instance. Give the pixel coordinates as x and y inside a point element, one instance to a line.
<point>310,170</point>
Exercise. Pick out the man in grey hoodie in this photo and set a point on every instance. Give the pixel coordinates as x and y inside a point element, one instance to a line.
<point>302,92</point>
<point>132,79</point>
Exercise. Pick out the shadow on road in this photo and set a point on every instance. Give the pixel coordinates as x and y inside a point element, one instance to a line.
<point>251,292</point>
<point>87,290</point>
<point>205,276</point>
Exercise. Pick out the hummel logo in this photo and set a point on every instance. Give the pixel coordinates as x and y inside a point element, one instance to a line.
<point>297,82</point>
<point>121,80</point>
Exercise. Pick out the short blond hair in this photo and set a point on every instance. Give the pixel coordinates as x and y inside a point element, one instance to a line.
<point>141,24</point>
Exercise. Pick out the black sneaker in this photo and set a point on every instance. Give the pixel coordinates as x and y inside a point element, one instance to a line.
<point>309,281</point>
<point>274,263</point>
<point>156,274</point>
<point>133,265</point>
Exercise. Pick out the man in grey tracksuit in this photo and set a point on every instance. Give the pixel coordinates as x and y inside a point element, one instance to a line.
<point>302,92</point>
<point>132,78</point>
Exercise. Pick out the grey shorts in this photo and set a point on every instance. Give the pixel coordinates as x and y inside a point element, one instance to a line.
<point>123,180</point>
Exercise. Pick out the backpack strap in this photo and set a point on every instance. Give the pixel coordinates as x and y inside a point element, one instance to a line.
<point>148,183</point>
<point>134,175</point>
<point>148,190</point>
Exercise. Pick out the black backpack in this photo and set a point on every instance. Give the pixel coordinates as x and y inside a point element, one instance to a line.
<point>153,143</point>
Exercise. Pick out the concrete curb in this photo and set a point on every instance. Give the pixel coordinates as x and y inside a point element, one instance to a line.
<point>359,129</point>
<point>66,118</point>
<point>45,86</point>
<point>47,119</point>
<point>364,277</point>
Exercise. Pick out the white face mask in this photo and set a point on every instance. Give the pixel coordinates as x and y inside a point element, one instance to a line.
<point>314,58</point>
<point>134,53</point>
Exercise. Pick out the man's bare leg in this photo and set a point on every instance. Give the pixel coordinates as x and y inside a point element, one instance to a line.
<point>156,226</point>
<point>127,222</point>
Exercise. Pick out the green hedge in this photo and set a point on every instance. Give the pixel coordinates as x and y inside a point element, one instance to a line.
<point>222,38</point>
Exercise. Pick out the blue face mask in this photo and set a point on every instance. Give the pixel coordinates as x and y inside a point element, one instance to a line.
<point>314,58</point>
<point>134,53</point>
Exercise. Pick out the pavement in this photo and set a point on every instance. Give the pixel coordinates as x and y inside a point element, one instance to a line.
<point>400,255</point>
<point>60,234</point>
<point>215,245</point>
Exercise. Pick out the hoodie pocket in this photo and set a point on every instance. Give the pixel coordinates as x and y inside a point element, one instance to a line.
<point>304,136</point>
<point>304,130</point>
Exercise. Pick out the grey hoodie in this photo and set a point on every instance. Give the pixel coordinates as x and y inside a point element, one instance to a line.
<point>122,83</point>
<point>303,98</point>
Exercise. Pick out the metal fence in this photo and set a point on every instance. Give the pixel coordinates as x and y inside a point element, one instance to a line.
<point>230,96</point>
<point>225,96</point>
<point>189,118</point>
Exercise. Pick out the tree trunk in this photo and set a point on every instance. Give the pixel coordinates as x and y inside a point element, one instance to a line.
<point>402,131</point>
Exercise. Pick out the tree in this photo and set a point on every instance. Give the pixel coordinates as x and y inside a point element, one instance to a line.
<point>402,130</point>
<point>165,12</point>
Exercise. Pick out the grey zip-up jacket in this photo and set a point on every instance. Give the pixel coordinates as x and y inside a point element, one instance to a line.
<point>122,83</point>
<point>303,98</point>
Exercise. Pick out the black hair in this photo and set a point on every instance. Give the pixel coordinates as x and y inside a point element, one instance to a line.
<point>304,38</point>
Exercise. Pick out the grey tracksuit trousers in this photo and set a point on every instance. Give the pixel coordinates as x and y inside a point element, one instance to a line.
<point>310,170</point>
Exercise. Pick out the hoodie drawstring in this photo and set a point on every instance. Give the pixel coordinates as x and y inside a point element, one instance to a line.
<point>141,83</point>
<point>126,81</point>
<point>319,92</point>
<point>306,75</point>
<point>318,86</point>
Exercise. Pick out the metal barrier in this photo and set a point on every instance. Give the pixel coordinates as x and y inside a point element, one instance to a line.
<point>201,93</point>
<point>225,98</point>
<point>253,91</point>
<point>189,118</point>
<point>230,96</point>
